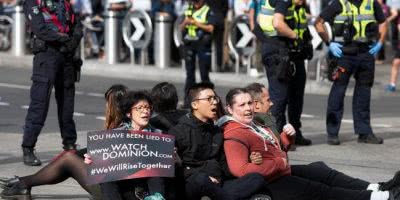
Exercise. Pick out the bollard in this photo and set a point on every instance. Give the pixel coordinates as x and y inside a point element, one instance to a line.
<point>162,40</point>
<point>111,36</point>
<point>18,31</point>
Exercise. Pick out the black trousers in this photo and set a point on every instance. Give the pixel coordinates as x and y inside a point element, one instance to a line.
<point>51,69</point>
<point>287,93</point>
<point>199,185</point>
<point>317,181</point>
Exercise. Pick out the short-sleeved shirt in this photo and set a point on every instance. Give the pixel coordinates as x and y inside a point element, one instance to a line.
<point>335,8</point>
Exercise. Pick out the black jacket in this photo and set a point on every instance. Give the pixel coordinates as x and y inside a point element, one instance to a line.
<point>199,146</point>
<point>166,120</point>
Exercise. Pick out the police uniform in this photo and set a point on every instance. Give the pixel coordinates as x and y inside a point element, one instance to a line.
<point>197,42</point>
<point>353,25</point>
<point>56,35</point>
<point>285,69</point>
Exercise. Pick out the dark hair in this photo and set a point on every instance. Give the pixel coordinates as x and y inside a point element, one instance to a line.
<point>132,98</point>
<point>165,97</point>
<point>255,90</point>
<point>194,91</point>
<point>114,96</point>
<point>232,93</point>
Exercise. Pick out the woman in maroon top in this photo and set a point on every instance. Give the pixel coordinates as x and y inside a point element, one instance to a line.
<point>314,181</point>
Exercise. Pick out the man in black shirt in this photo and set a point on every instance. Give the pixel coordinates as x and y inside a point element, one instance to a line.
<point>359,29</point>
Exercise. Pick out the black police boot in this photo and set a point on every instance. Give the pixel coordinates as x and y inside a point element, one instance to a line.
<point>333,140</point>
<point>394,194</point>
<point>16,191</point>
<point>30,158</point>
<point>369,139</point>
<point>302,141</point>
<point>392,183</point>
<point>69,147</point>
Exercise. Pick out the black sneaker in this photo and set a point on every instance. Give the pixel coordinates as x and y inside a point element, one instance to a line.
<point>30,158</point>
<point>392,183</point>
<point>16,192</point>
<point>369,139</point>
<point>301,141</point>
<point>394,194</point>
<point>68,147</point>
<point>333,140</point>
<point>8,182</point>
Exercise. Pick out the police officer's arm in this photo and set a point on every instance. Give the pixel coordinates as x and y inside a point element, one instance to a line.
<point>328,14</point>
<point>281,7</point>
<point>320,27</point>
<point>283,29</point>
<point>205,27</point>
<point>39,26</point>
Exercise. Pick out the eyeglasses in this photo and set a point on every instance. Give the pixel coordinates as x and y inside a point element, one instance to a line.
<point>143,108</point>
<point>210,99</point>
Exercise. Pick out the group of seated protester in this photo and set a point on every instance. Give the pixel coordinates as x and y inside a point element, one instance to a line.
<point>232,156</point>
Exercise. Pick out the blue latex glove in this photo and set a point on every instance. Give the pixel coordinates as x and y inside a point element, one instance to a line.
<point>375,48</point>
<point>336,49</point>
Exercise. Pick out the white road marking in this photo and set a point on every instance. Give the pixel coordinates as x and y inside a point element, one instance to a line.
<point>93,94</point>
<point>382,125</point>
<point>307,116</point>
<point>347,121</point>
<point>101,118</point>
<point>25,107</point>
<point>4,103</point>
<point>79,114</point>
<point>9,85</point>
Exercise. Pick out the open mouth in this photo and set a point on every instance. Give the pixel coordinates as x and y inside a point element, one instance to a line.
<point>248,115</point>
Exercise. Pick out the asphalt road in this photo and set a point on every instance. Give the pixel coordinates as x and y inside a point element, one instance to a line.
<point>370,162</point>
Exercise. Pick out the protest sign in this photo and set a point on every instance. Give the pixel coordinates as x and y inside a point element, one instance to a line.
<point>124,154</point>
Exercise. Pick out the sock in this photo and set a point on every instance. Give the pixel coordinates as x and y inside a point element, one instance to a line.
<point>373,187</point>
<point>393,84</point>
<point>380,195</point>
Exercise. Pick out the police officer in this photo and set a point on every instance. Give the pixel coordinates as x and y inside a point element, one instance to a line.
<point>197,27</point>
<point>56,34</point>
<point>359,28</point>
<point>283,24</point>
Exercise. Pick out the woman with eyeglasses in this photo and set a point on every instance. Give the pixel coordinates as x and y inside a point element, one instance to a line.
<point>137,107</point>
<point>69,164</point>
<point>314,181</point>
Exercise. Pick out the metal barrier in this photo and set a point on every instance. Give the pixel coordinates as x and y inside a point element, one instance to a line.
<point>6,24</point>
<point>162,40</point>
<point>112,36</point>
<point>241,41</point>
<point>139,37</point>
<point>18,31</point>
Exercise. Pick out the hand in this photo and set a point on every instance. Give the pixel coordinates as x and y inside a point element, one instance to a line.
<point>256,158</point>
<point>336,49</point>
<point>176,157</point>
<point>88,159</point>
<point>285,162</point>
<point>375,48</point>
<point>214,180</point>
<point>289,130</point>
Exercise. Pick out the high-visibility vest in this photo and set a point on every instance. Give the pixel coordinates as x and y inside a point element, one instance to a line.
<point>199,15</point>
<point>300,19</point>
<point>266,16</point>
<point>359,17</point>
<point>52,19</point>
